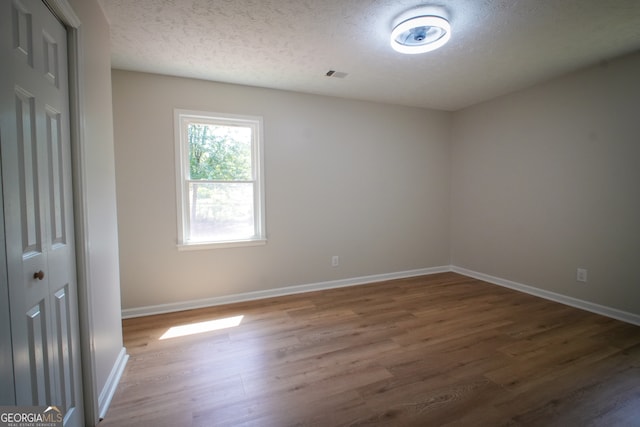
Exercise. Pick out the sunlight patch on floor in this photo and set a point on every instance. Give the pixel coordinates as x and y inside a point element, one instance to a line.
<point>202,327</point>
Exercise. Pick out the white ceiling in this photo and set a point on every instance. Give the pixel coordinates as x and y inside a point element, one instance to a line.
<point>497,46</point>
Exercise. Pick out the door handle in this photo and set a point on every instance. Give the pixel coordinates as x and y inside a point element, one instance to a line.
<point>39,275</point>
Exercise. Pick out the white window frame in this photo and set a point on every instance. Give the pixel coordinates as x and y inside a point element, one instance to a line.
<point>182,118</point>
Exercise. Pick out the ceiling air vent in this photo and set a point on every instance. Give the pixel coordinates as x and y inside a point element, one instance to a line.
<point>336,74</point>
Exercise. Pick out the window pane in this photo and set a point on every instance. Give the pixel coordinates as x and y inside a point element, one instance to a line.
<point>218,152</point>
<point>221,211</point>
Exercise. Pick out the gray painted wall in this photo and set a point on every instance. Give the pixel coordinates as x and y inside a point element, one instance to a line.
<point>364,181</point>
<point>527,188</point>
<point>547,180</point>
<point>104,280</point>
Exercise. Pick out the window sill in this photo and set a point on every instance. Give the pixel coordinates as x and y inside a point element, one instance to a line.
<point>220,245</point>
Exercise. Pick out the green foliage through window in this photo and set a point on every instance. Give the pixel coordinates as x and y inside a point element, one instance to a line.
<point>219,153</point>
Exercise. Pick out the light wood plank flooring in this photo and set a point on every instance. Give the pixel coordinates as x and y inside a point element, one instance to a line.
<point>436,350</point>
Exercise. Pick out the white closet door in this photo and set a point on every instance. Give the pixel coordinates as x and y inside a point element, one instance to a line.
<point>37,195</point>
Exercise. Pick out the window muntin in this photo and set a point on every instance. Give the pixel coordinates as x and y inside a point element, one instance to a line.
<point>220,181</point>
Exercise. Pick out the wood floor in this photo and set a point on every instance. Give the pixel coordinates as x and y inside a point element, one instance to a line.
<point>436,350</point>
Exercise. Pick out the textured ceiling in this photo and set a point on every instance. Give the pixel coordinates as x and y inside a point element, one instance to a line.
<point>497,46</point>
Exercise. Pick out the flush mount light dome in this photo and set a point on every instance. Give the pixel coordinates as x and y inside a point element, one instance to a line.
<point>420,34</point>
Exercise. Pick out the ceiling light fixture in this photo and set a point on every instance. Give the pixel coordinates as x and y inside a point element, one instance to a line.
<point>420,34</point>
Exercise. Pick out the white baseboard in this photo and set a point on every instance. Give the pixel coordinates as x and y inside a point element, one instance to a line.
<point>270,293</point>
<point>290,290</point>
<point>104,400</point>
<point>563,299</point>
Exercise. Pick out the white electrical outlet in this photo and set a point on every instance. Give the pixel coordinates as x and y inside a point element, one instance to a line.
<point>335,261</point>
<point>581,275</point>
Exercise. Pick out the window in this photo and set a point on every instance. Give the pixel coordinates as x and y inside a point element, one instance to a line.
<point>220,185</point>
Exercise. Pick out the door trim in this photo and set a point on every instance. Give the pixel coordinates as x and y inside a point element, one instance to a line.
<point>66,14</point>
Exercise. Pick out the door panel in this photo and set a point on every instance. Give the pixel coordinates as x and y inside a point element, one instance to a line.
<point>22,31</point>
<point>38,222</point>
<point>56,178</point>
<point>64,318</point>
<point>51,58</point>
<point>38,352</point>
<point>28,173</point>
<point>7,391</point>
